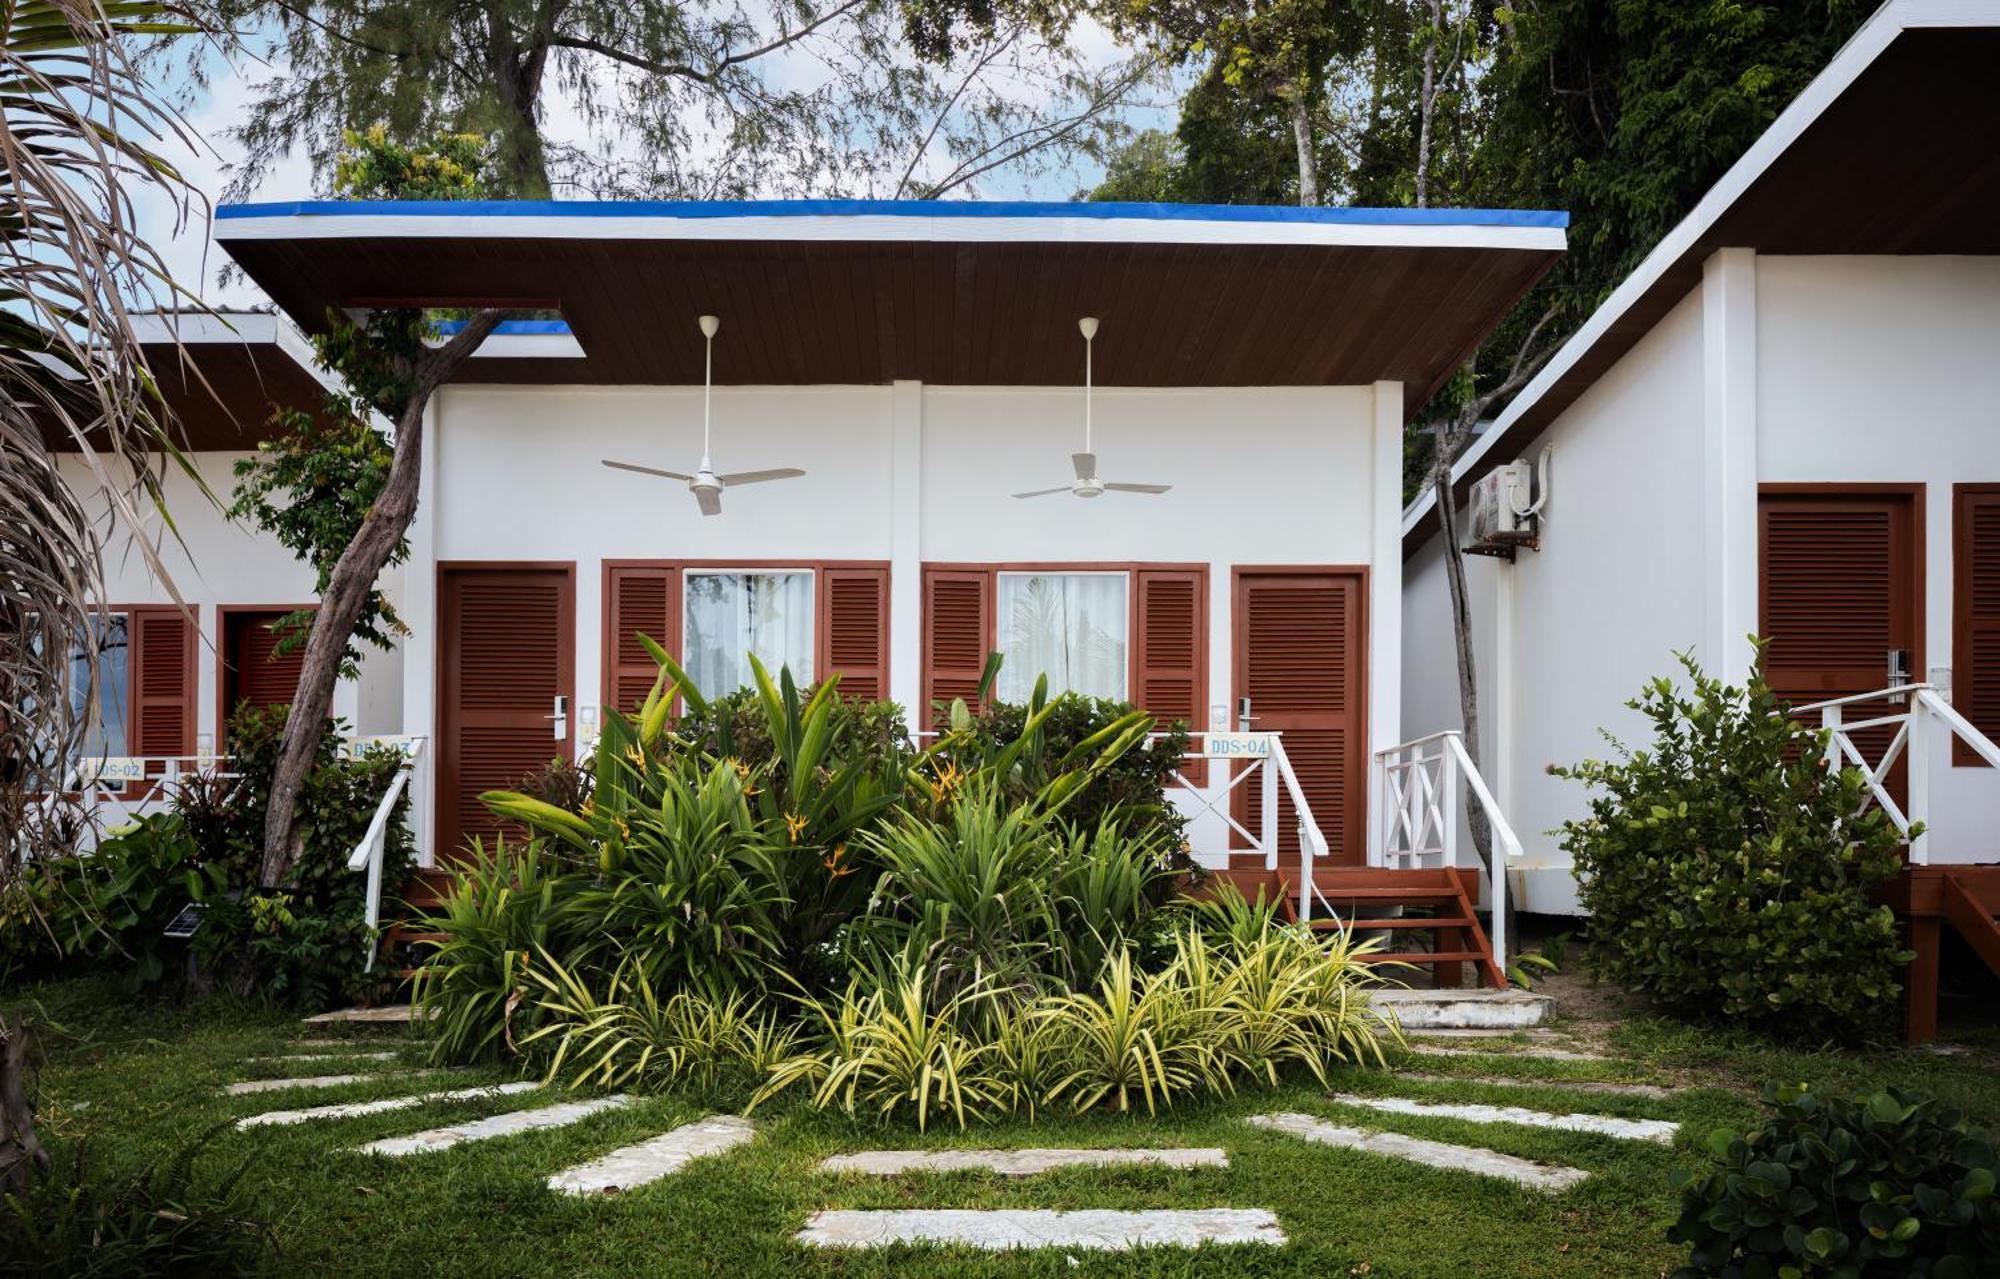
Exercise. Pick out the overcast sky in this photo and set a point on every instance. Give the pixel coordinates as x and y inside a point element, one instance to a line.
<point>195,262</point>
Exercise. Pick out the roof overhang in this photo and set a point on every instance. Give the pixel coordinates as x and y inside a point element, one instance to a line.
<point>221,373</point>
<point>818,292</point>
<point>1893,149</point>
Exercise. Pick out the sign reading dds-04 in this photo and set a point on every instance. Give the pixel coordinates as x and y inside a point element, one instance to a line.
<point>1238,745</point>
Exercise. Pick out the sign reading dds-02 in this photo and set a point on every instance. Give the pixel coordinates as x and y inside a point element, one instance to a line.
<point>1238,745</point>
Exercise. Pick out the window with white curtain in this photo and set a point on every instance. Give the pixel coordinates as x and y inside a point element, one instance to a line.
<point>731,615</point>
<point>1069,626</point>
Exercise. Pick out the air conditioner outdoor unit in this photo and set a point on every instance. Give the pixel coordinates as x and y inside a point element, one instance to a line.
<point>1502,514</point>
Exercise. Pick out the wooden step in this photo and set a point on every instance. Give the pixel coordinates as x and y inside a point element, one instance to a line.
<point>1972,919</point>
<point>1423,957</point>
<point>1411,894</point>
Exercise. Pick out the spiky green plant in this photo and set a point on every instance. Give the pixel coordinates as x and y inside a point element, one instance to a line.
<point>499,914</point>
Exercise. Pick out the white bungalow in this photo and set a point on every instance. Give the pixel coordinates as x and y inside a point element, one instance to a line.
<point>1215,534</point>
<point>1785,422</point>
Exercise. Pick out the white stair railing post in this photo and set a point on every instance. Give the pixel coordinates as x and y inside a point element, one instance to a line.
<point>1449,808</point>
<point>1267,826</point>
<point>1829,719</point>
<point>1917,760</point>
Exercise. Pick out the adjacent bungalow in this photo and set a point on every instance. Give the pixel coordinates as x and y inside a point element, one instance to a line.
<point>1786,422</point>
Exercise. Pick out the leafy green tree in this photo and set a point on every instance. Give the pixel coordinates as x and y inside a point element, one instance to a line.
<point>387,366</point>
<point>697,99</point>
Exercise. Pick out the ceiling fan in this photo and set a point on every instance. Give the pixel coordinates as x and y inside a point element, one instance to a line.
<point>705,484</point>
<point>1086,483</point>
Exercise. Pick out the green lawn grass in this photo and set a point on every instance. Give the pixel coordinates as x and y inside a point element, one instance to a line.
<point>136,1082</point>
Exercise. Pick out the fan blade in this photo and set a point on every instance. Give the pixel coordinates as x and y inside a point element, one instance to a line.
<point>1086,465</point>
<point>1043,492</point>
<point>710,500</point>
<point>758,477</point>
<point>1137,488</point>
<point>647,470</point>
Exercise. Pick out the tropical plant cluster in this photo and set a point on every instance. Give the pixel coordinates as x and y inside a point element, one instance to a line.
<point>1884,1183</point>
<point>779,890</point>
<point>1730,874</point>
<point>305,943</point>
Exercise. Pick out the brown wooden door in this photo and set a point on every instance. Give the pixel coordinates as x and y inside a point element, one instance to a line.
<point>507,652</point>
<point>253,671</point>
<point>1838,589</point>
<point>1300,657</point>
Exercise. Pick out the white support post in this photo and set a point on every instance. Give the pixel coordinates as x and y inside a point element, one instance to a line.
<point>1829,719</point>
<point>1267,833</point>
<point>1449,804</point>
<point>1729,457</point>
<point>1378,804</point>
<point>420,646</point>
<point>1385,583</point>
<point>1917,770</point>
<point>906,559</point>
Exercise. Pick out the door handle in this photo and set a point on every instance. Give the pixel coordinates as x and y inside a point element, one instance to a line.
<point>559,721</point>
<point>1899,672</point>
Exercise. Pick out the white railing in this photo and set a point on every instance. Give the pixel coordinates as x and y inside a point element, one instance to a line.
<point>1923,723</point>
<point>367,854</point>
<point>1260,756</point>
<point>1418,800</point>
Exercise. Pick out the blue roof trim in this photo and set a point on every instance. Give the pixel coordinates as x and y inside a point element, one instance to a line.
<point>896,208</point>
<point>559,327</point>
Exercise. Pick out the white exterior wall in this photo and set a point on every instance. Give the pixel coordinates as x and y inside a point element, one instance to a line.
<point>216,562</point>
<point>914,474</point>
<point>1822,369</point>
<point>1887,369</point>
<point>1616,588</point>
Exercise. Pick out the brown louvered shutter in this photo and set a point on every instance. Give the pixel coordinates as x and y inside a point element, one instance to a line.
<point>1300,648</point>
<point>506,652</point>
<point>163,685</point>
<point>1170,655</point>
<point>854,630</point>
<point>1976,612</point>
<point>254,672</point>
<point>638,600</point>
<point>958,630</point>
<point>1837,593</point>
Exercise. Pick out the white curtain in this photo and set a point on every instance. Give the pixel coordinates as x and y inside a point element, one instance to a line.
<point>1069,626</point>
<point>730,615</point>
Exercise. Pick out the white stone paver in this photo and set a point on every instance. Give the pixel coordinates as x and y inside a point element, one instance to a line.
<point>1658,1130</point>
<point>326,1056</point>
<point>387,1015</point>
<point>1018,1163</point>
<point>1541,1051</point>
<point>353,1108</point>
<point>664,1155</point>
<point>1653,1091</point>
<point>1434,1154</point>
<point>1092,1229</point>
<point>249,1086</point>
<point>506,1125</point>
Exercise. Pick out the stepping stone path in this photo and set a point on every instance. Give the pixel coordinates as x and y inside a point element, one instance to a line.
<point>316,1081</point>
<point>1653,1091</point>
<point>1093,1229</point>
<point>1434,1154</point>
<point>1540,1051</point>
<point>556,1116</point>
<point>327,1056</point>
<point>649,1161</point>
<point>1603,1125</point>
<point>1018,1163</point>
<point>351,1109</point>
<point>389,1014</point>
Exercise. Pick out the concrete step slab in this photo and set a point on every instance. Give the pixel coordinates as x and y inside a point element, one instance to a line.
<point>1004,1229</point>
<point>1652,1091</point>
<point>1479,1009</point>
<point>1552,1178</point>
<point>1658,1130</point>
<point>515,1121</point>
<point>250,1086</point>
<point>666,1154</point>
<point>1019,1163</point>
<point>1540,1052</point>
<point>351,1109</point>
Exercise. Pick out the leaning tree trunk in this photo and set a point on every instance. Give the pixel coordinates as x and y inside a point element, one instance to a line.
<point>347,592</point>
<point>1461,629</point>
<point>21,1153</point>
<point>1302,139</point>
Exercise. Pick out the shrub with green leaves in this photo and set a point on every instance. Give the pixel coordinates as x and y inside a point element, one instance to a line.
<point>1730,876</point>
<point>1886,1184</point>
